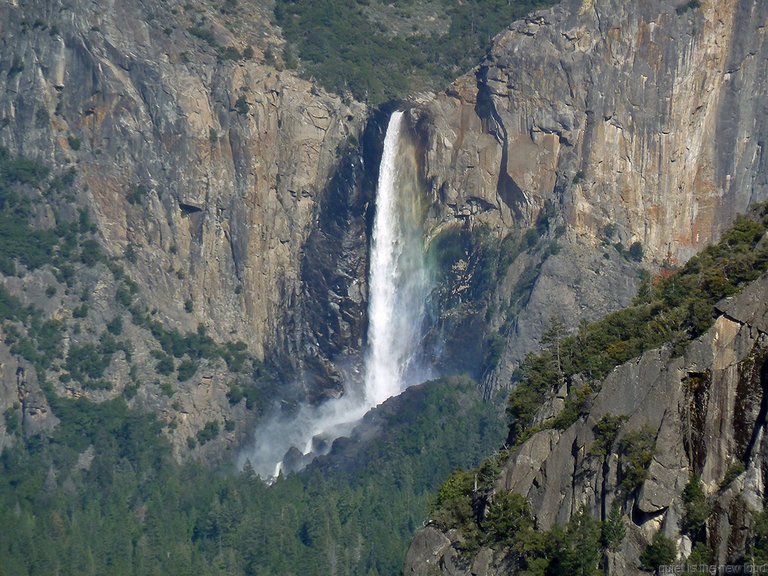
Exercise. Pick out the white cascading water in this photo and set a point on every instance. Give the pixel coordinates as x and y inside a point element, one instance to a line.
<point>398,287</point>
<point>398,280</point>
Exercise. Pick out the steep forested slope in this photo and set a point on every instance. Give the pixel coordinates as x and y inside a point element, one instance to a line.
<point>624,458</point>
<point>102,493</point>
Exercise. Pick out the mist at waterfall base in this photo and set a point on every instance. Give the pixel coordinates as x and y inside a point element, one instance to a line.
<point>399,284</point>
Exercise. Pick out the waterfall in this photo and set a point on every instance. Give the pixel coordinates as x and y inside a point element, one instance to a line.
<point>398,289</point>
<point>398,284</point>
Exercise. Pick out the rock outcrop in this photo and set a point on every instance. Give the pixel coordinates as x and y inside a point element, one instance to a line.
<point>706,410</point>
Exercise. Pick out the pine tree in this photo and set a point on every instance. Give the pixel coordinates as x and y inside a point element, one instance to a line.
<point>614,529</point>
<point>583,535</point>
<point>552,341</point>
<point>661,552</point>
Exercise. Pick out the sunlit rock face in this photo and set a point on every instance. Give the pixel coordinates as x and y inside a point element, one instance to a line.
<point>647,117</point>
<point>639,122</point>
<point>212,169</point>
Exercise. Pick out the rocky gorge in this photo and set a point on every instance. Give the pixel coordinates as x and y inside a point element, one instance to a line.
<point>597,142</point>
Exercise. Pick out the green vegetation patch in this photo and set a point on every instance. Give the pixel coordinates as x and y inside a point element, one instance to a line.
<point>661,552</point>
<point>675,309</point>
<point>103,495</point>
<point>251,392</point>
<point>196,345</point>
<point>636,451</point>
<point>606,430</point>
<point>24,185</point>
<point>348,47</point>
<point>697,509</point>
<point>504,522</point>
<point>209,432</point>
<point>758,544</point>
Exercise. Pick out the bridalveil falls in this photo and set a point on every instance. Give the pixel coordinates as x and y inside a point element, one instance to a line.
<point>398,287</point>
<point>399,282</point>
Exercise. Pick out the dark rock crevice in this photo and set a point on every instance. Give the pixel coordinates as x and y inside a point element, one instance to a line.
<point>334,267</point>
<point>753,390</point>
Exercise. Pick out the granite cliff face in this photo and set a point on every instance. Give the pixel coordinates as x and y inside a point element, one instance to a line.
<point>707,411</point>
<point>237,196</point>
<point>214,176</point>
<point>628,122</point>
<point>206,163</point>
<point>598,125</point>
<point>651,105</point>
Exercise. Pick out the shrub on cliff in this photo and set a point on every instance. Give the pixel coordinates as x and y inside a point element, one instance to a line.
<point>758,542</point>
<point>507,517</point>
<point>452,505</point>
<point>636,450</point>
<point>697,509</point>
<point>606,430</point>
<point>661,552</point>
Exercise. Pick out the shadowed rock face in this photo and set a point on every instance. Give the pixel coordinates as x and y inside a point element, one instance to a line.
<point>640,122</point>
<point>214,171</point>
<point>334,267</point>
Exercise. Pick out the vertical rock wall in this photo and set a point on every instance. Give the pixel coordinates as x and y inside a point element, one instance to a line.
<point>212,170</point>
<point>639,122</point>
<point>649,117</point>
